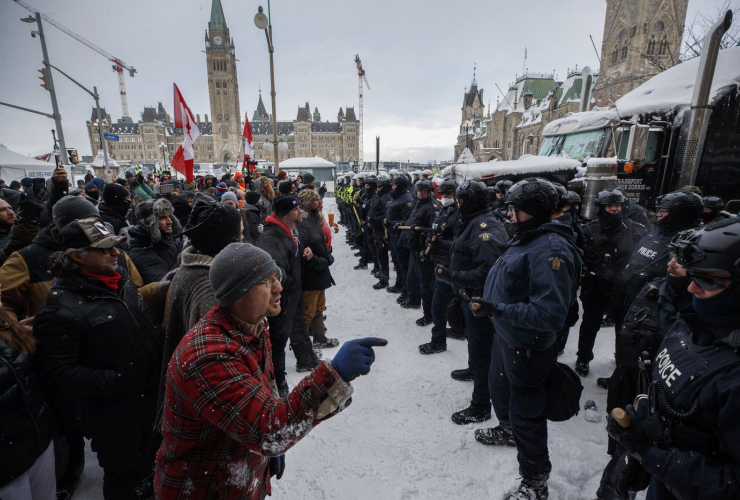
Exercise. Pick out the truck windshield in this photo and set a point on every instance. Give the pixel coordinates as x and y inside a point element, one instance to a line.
<point>578,146</point>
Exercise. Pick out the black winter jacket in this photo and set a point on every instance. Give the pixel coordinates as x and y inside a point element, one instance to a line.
<point>444,228</point>
<point>113,215</point>
<point>399,210</point>
<point>286,255</point>
<point>25,418</point>
<point>252,219</point>
<point>99,345</point>
<point>422,217</point>
<point>315,273</point>
<point>152,260</point>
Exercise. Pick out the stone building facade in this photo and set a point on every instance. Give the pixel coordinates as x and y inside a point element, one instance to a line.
<point>641,39</point>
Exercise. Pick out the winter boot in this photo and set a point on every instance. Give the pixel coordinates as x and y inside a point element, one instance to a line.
<point>603,382</point>
<point>530,489</point>
<point>318,330</point>
<point>432,348</point>
<point>501,435</point>
<point>452,334</point>
<point>464,375</point>
<point>283,389</point>
<point>402,298</point>
<point>408,305</point>
<point>394,289</point>
<point>383,283</point>
<point>145,488</point>
<point>361,265</point>
<point>374,272</point>
<point>424,320</point>
<point>306,358</point>
<point>357,254</point>
<point>471,415</point>
<point>582,368</point>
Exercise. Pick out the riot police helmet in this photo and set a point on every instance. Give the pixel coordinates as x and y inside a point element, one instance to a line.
<point>447,186</point>
<point>679,210</point>
<point>503,186</point>
<point>710,249</point>
<point>533,196</point>
<point>425,185</point>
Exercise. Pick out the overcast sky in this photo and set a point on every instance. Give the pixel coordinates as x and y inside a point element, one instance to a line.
<point>418,55</point>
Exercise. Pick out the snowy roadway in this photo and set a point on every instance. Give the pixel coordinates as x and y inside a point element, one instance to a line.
<point>396,439</point>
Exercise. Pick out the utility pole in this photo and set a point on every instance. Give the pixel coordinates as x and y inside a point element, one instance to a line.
<point>377,154</point>
<point>50,88</point>
<point>100,126</point>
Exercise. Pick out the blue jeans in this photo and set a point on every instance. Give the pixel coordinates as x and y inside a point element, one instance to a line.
<point>442,296</point>
<point>480,335</point>
<point>517,385</point>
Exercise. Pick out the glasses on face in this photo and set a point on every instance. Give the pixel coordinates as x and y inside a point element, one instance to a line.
<point>707,282</point>
<point>272,281</point>
<point>106,251</point>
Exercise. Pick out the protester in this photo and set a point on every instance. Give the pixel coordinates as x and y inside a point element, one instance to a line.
<point>154,244</point>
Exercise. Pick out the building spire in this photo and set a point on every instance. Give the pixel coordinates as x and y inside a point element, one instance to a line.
<point>218,22</point>
<point>475,82</point>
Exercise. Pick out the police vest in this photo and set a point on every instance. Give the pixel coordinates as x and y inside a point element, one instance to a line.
<point>641,331</point>
<point>650,258</point>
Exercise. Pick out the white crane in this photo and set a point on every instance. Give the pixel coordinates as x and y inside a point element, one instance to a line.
<point>118,65</point>
<point>361,77</point>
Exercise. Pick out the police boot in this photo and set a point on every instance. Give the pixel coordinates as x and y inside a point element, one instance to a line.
<point>530,489</point>
<point>408,305</point>
<point>402,298</point>
<point>501,435</point>
<point>582,368</point>
<point>374,272</point>
<point>318,330</point>
<point>380,284</point>
<point>464,375</point>
<point>452,334</point>
<point>394,289</point>
<point>360,266</point>
<point>471,415</point>
<point>424,320</point>
<point>432,348</point>
<point>357,254</point>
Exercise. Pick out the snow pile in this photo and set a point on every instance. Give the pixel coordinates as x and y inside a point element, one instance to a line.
<point>527,165</point>
<point>669,92</point>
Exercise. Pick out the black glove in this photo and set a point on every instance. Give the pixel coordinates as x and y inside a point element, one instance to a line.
<point>481,307</point>
<point>31,202</point>
<point>443,274</point>
<point>628,475</point>
<point>634,438</point>
<point>277,466</point>
<point>396,226</point>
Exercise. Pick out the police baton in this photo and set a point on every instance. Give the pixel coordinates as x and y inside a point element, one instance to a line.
<point>620,416</point>
<point>429,246</point>
<point>358,218</point>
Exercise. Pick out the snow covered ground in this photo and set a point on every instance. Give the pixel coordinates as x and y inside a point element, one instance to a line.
<point>396,439</point>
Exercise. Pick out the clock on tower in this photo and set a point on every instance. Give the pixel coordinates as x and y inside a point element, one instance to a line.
<point>217,40</point>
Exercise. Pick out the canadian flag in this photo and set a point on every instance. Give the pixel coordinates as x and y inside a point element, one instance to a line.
<point>183,159</point>
<point>248,143</point>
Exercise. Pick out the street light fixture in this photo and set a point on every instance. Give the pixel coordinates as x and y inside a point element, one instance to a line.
<point>264,22</point>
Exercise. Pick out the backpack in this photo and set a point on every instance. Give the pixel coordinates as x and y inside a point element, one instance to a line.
<point>563,387</point>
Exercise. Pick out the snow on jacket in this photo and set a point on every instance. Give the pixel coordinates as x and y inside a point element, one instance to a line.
<point>25,418</point>
<point>315,273</point>
<point>222,420</point>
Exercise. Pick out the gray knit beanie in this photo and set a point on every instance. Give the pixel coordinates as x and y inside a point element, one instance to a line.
<point>229,196</point>
<point>237,269</point>
<point>72,208</point>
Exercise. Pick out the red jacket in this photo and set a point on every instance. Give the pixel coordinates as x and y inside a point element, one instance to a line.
<point>221,421</point>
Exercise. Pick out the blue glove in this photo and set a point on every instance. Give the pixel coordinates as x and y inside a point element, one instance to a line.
<point>277,466</point>
<point>355,357</point>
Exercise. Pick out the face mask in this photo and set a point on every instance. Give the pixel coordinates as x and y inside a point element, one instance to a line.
<point>446,202</point>
<point>722,304</point>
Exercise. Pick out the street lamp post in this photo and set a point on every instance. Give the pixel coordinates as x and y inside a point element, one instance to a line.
<point>264,22</point>
<point>50,85</point>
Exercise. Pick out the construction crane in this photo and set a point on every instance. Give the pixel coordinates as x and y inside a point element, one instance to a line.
<point>361,77</point>
<point>118,65</point>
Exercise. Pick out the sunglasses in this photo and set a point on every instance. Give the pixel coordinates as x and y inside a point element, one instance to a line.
<point>106,251</point>
<point>707,282</point>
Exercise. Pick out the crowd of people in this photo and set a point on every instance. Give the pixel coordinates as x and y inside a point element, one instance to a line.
<point>503,267</point>
<point>152,317</point>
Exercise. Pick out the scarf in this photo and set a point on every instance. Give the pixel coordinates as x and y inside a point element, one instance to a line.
<point>109,281</point>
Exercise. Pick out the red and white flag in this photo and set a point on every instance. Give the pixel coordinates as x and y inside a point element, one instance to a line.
<point>184,119</point>
<point>248,143</point>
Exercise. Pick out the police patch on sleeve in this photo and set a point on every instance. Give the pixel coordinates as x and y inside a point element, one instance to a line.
<point>555,263</point>
<point>483,225</point>
<point>409,204</point>
<point>485,236</point>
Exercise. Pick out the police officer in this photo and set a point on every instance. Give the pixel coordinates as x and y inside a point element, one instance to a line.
<point>713,205</point>
<point>500,190</point>
<point>437,250</point>
<point>686,433</point>
<point>420,274</point>
<point>369,196</point>
<point>376,215</point>
<point>398,211</point>
<point>479,242</point>
<point>677,211</point>
<point>609,241</point>
<point>632,209</point>
<point>527,295</point>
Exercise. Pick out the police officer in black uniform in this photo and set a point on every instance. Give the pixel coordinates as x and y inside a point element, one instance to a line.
<point>632,209</point>
<point>677,211</point>
<point>528,293</point>
<point>713,205</point>
<point>369,194</point>
<point>686,432</point>
<point>398,212</point>
<point>437,251</point>
<point>421,272</point>
<point>480,241</point>
<point>500,190</point>
<point>609,241</point>
<point>376,215</point>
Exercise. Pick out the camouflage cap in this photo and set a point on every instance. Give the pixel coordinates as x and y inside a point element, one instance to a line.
<point>88,233</point>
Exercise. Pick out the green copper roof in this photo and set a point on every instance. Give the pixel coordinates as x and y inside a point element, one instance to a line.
<point>573,93</point>
<point>256,116</point>
<point>218,22</point>
<point>538,87</point>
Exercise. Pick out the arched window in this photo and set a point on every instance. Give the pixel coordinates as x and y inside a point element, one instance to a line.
<point>660,26</point>
<point>218,84</point>
<point>663,47</point>
<point>651,45</point>
<point>624,50</point>
<point>615,54</point>
<point>623,33</point>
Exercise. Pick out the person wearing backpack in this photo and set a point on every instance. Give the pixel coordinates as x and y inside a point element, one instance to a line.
<point>527,295</point>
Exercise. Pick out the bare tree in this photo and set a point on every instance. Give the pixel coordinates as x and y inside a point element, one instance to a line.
<point>695,33</point>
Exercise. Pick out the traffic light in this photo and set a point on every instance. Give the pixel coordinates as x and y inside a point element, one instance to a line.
<point>73,156</point>
<point>43,78</point>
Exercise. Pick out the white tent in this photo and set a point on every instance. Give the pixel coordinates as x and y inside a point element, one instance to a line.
<point>99,160</point>
<point>321,169</point>
<point>15,166</point>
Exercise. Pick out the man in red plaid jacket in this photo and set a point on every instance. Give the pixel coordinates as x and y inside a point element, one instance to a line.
<point>225,429</point>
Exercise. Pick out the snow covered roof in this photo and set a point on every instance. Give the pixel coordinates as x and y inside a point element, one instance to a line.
<point>669,92</point>
<point>15,166</point>
<point>314,162</point>
<point>99,160</point>
<point>466,156</point>
<point>526,165</point>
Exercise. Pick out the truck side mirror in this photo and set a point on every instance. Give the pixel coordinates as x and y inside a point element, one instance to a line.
<point>637,145</point>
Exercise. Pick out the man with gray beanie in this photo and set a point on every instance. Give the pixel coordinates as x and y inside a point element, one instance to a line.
<point>221,403</point>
